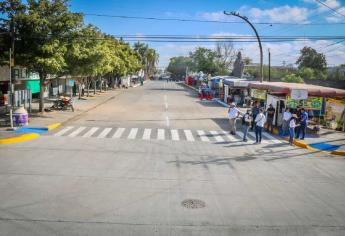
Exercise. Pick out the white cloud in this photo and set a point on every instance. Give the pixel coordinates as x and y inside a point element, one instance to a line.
<point>336,17</point>
<point>331,3</point>
<point>213,16</point>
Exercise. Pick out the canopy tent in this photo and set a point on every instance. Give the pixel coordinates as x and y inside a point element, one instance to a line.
<point>286,88</point>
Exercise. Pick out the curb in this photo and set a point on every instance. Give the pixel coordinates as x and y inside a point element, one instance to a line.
<point>221,103</point>
<point>53,126</point>
<point>22,138</point>
<point>306,146</point>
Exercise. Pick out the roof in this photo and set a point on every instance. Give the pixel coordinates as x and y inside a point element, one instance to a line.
<point>285,88</point>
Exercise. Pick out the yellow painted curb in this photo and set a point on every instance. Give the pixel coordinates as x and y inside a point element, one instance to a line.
<point>53,126</point>
<point>340,152</point>
<point>22,138</point>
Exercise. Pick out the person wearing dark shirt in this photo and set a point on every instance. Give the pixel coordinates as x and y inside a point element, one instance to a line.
<point>303,121</point>
<point>270,116</point>
<point>255,112</point>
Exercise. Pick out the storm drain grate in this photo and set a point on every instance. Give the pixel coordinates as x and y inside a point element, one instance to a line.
<point>193,203</point>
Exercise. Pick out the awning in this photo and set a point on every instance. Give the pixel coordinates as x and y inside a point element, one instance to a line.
<point>286,88</point>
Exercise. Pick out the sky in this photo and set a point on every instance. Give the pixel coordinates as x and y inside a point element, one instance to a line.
<point>272,11</point>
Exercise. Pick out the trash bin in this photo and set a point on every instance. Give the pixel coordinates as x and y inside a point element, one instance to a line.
<point>20,117</point>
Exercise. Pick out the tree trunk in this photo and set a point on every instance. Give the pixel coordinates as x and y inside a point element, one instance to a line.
<point>94,86</point>
<point>42,85</point>
<point>88,86</point>
<point>100,86</point>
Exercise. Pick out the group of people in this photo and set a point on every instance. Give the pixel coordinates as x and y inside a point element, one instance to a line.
<point>256,118</point>
<point>295,124</point>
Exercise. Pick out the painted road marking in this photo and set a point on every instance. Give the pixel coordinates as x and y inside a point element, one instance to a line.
<point>76,132</point>
<point>217,136</point>
<point>161,135</point>
<point>65,130</point>
<point>270,137</point>
<point>147,134</point>
<point>239,133</point>
<point>104,133</point>
<point>119,133</point>
<point>203,136</point>
<point>174,135</point>
<point>189,135</point>
<point>133,133</point>
<point>90,132</point>
<point>230,136</point>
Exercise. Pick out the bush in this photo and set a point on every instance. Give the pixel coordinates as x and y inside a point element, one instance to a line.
<point>293,78</point>
<point>307,73</point>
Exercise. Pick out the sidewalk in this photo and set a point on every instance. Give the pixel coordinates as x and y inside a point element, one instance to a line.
<point>53,119</point>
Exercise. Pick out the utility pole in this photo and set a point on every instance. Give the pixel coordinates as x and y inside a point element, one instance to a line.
<point>269,65</point>
<point>11,92</point>
<point>257,36</point>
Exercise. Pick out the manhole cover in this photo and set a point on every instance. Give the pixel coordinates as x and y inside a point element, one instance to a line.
<point>193,203</point>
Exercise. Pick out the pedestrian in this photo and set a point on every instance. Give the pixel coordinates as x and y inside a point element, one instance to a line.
<point>292,126</point>
<point>303,121</point>
<point>255,112</point>
<point>286,119</point>
<point>233,114</point>
<point>82,89</point>
<point>246,122</point>
<point>259,124</point>
<point>270,115</point>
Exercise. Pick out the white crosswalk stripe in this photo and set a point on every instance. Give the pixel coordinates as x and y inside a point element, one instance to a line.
<point>76,132</point>
<point>65,130</point>
<point>217,136</point>
<point>174,135</point>
<point>90,132</point>
<point>230,136</point>
<point>133,133</point>
<point>161,134</point>
<point>118,133</point>
<point>189,135</point>
<point>270,137</point>
<point>104,133</point>
<point>147,134</point>
<point>203,136</point>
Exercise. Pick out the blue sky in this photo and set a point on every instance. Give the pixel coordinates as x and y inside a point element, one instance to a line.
<point>291,11</point>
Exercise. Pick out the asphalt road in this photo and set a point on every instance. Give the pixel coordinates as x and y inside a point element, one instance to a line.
<point>127,167</point>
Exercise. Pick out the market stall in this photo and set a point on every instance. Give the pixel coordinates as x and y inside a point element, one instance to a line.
<point>236,90</point>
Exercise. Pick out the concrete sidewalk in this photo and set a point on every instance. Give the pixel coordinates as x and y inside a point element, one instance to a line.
<point>53,119</point>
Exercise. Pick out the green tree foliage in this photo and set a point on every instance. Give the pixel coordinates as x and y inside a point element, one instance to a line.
<point>307,73</point>
<point>148,58</point>
<point>179,65</point>
<point>310,58</point>
<point>204,59</point>
<point>293,78</point>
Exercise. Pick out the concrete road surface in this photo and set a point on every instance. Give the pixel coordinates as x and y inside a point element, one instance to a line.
<point>156,161</point>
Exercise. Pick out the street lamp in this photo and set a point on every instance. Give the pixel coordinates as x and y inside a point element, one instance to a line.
<point>257,36</point>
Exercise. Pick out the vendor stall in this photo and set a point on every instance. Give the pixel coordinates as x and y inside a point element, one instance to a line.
<point>236,90</point>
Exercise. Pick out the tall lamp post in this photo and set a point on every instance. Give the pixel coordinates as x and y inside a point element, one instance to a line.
<point>257,36</point>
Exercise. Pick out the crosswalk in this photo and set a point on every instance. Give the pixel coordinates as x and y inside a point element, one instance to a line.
<point>160,134</point>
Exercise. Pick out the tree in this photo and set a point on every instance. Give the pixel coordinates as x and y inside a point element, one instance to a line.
<point>226,54</point>
<point>310,58</point>
<point>43,31</point>
<point>307,73</point>
<point>293,78</point>
<point>204,59</point>
<point>179,65</point>
<point>148,57</point>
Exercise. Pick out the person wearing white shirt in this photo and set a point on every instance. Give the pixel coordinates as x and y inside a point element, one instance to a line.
<point>260,120</point>
<point>233,114</point>
<point>286,119</point>
<point>292,126</point>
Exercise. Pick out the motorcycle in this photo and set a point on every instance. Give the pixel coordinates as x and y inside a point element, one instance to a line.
<point>63,103</point>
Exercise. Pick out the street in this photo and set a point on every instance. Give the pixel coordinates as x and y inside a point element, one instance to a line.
<point>127,166</point>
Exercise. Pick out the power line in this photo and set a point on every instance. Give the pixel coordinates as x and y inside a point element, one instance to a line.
<point>324,4</point>
<point>206,21</point>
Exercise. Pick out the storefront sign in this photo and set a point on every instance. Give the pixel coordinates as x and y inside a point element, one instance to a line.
<point>334,108</point>
<point>299,94</point>
<point>260,94</point>
<point>313,103</point>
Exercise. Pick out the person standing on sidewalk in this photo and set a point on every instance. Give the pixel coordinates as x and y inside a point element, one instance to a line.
<point>233,114</point>
<point>259,125</point>
<point>255,112</point>
<point>292,126</point>
<point>246,122</point>
<point>303,120</point>
<point>286,119</point>
<point>270,116</point>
